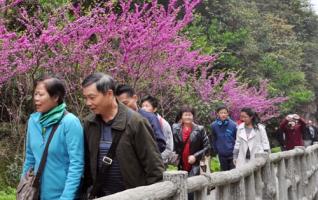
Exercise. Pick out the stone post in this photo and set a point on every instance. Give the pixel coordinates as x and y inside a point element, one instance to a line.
<point>291,176</point>
<point>282,183</point>
<point>303,173</point>
<point>250,187</point>
<point>179,178</point>
<point>203,193</point>
<point>259,184</point>
<point>268,178</point>
<point>314,162</point>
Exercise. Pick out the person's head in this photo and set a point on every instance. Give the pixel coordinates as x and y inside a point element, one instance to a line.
<point>126,95</point>
<point>186,115</point>
<point>149,103</point>
<point>249,117</point>
<point>49,92</point>
<point>310,123</point>
<point>98,90</point>
<point>222,112</point>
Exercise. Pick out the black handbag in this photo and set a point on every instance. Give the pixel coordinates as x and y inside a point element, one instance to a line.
<point>29,185</point>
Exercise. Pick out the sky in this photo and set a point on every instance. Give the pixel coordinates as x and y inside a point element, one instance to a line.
<point>315,5</point>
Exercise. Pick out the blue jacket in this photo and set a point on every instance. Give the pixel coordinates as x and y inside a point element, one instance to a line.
<point>223,137</point>
<point>155,124</point>
<point>65,161</point>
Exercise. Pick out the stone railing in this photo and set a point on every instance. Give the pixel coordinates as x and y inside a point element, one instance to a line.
<point>288,175</point>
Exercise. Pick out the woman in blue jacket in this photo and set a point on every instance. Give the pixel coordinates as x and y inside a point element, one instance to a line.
<point>65,161</point>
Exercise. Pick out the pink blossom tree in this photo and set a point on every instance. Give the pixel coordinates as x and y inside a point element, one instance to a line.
<point>226,89</point>
<point>142,46</point>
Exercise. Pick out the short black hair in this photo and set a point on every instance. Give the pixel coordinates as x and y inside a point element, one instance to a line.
<point>221,108</point>
<point>183,109</point>
<point>103,82</point>
<point>54,86</point>
<point>151,99</point>
<point>123,88</point>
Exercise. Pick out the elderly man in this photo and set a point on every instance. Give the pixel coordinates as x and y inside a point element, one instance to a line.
<point>120,150</point>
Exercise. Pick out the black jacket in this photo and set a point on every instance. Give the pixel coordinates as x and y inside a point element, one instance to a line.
<point>137,153</point>
<point>199,142</point>
<point>308,136</point>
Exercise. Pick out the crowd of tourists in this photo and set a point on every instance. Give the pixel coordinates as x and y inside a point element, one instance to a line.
<point>122,145</point>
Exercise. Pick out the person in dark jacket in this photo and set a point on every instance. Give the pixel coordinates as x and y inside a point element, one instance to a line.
<point>150,103</point>
<point>280,136</point>
<point>310,134</point>
<point>224,135</point>
<point>126,95</point>
<point>293,127</point>
<point>190,141</point>
<point>137,161</point>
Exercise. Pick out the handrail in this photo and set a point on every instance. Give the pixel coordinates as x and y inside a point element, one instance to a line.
<point>288,175</point>
<point>160,190</point>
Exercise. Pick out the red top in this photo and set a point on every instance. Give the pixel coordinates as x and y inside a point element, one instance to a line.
<point>186,131</point>
<point>293,135</point>
<point>238,122</point>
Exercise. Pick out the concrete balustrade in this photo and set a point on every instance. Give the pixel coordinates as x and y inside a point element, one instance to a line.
<point>288,175</point>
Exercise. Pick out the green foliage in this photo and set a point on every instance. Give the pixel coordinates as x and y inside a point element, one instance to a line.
<point>276,40</point>
<point>215,164</point>
<point>276,150</point>
<point>297,99</point>
<point>172,168</point>
<point>53,4</point>
<point>13,171</point>
<point>8,194</point>
<point>214,39</point>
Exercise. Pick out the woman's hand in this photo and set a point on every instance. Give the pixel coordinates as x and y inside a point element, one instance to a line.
<point>191,159</point>
<point>295,116</point>
<point>289,117</point>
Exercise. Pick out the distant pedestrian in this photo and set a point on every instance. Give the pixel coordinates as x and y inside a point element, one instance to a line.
<point>310,134</point>
<point>223,138</point>
<point>126,95</point>
<point>293,127</point>
<point>190,141</point>
<point>150,104</point>
<point>251,138</point>
<point>280,136</point>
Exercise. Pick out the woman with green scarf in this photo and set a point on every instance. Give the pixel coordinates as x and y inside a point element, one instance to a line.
<point>65,161</point>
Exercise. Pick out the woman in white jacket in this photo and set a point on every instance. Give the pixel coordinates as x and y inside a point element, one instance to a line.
<point>251,138</point>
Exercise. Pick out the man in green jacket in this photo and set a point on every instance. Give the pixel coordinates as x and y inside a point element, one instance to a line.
<point>137,160</point>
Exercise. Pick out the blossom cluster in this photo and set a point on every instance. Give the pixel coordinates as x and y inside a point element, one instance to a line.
<point>141,45</point>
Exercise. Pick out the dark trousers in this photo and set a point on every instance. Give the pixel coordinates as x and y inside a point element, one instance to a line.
<point>226,163</point>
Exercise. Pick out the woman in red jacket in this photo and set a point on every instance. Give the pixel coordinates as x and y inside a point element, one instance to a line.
<point>190,141</point>
<point>293,127</point>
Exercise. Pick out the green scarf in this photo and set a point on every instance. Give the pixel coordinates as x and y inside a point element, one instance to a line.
<point>52,117</point>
